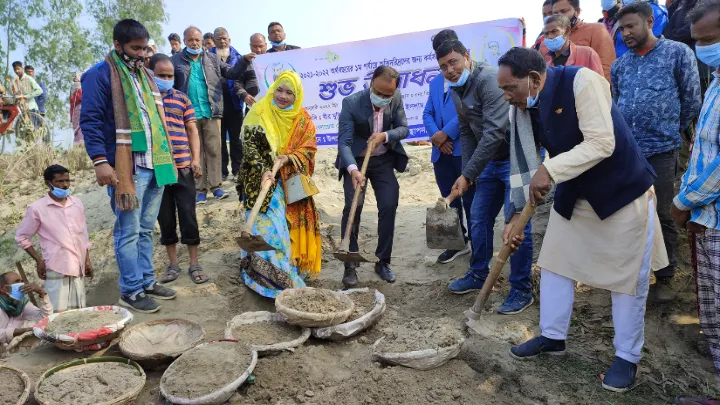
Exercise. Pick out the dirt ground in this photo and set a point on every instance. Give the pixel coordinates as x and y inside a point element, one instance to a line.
<point>320,372</point>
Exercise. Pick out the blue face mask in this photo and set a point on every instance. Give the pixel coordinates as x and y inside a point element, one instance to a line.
<point>555,44</point>
<point>164,85</point>
<point>462,80</point>
<point>288,108</point>
<point>628,2</point>
<point>277,44</point>
<point>194,51</point>
<point>15,292</point>
<point>60,192</point>
<point>607,4</point>
<point>378,101</point>
<point>531,101</point>
<point>709,54</point>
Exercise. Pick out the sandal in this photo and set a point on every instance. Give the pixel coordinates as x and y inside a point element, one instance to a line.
<point>170,274</point>
<point>196,274</point>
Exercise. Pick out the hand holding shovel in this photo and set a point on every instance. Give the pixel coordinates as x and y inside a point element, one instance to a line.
<point>256,243</point>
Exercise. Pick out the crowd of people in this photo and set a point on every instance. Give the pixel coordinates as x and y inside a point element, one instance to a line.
<point>589,120</point>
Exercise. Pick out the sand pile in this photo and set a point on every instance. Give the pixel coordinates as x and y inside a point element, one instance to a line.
<point>364,303</point>
<point>317,302</point>
<point>81,321</point>
<point>162,338</point>
<point>12,387</point>
<point>265,333</point>
<point>421,334</point>
<point>206,369</point>
<point>90,384</point>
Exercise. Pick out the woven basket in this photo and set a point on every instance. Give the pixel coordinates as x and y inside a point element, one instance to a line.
<point>85,340</point>
<point>310,319</point>
<point>26,380</point>
<point>136,344</point>
<point>419,359</point>
<point>124,399</point>
<point>265,316</point>
<point>352,328</point>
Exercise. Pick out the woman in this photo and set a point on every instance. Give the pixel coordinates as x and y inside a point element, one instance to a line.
<point>75,101</point>
<point>278,126</point>
<point>565,53</point>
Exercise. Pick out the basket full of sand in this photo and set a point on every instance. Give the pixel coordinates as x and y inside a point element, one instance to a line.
<point>369,308</point>
<point>423,344</point>
<point>314,307</point>
<point>265,332</point>
<point>14,386</point>
<point>160,340</point>
<point>91,381</point>
<point>83,329</point>
<point>209,373</point>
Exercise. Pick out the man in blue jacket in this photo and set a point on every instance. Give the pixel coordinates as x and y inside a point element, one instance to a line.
<point>441,123</point>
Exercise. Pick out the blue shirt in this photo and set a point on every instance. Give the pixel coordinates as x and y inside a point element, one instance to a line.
<point>700,188</point>
<point>198,89</point>
<point>658,94</point>
<point>660,14</point>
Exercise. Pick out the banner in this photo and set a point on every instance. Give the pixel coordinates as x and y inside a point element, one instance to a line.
<point>331,73</point>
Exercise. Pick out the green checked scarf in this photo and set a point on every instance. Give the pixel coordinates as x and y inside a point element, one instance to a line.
<point>130,131</point>
<point>13,307</point>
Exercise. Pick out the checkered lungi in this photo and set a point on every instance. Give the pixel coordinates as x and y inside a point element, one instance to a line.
<point>708,289</point>
<point>65,292</point>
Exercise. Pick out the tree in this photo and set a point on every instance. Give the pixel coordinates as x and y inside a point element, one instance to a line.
<point>15,16</point>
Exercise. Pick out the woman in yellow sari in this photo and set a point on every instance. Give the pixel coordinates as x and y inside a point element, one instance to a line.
<point>278,126</point>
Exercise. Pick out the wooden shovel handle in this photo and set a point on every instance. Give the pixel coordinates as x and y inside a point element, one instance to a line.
<point>452,197</point>
<point>25,280</point>
<point>260,199</point>
<point>502,258</point>
<point>353,207</point>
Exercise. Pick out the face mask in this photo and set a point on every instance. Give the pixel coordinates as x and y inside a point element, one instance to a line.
<point>378,101</point>
<point>135,63</point>
<point>462,80</point>
<point>530,100</point>
<point>277,44</point>
<point>194,51</point>
<point>709,54</point>
<point>555,44</point>
<point>15,292</point>
<point>60,192</point>
<point>164,85</point>
<point>288,108</point>
<point>607,4</point>
<point>611,12</point>
<point>628,2</point>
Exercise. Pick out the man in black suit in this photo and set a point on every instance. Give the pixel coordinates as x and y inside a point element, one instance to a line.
<point>375,114</point>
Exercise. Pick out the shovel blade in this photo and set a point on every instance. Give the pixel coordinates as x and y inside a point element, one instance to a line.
<point>345,256</point>
<point>252,243</point>
<point>442,228</point>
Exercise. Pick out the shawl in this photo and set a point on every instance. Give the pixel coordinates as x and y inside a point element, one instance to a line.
<point>524,157</point>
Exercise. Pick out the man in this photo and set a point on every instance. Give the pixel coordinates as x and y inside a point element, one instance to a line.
<point>131,155</point>
<point>175,45</point>
<point>208,41</point>
<point>232,119</point>
<point>601,230</point>
<point>373,117</point>
<point>199,75</point>
<point>657,69</point>
<point>546,12</point>
<point>39,100</point>
<point>276,34</point>
<point>660,14</point>
<point>441,123</point>
<point>609,9</point>
<point>247,87</point>
<point>17,315</point>
<point>149,52</point>
<point>25,88</point>
<point>65,244</point>
<point>696,206</point>
<point>179,198</point>
<point>593,35</point>
<point>483,120</point>
<point>563,52</point>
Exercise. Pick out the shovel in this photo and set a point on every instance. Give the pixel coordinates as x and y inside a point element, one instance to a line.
<point>473,314</point>
<point>344,254</point>
<point>442,225</point>
<point>247,241</point>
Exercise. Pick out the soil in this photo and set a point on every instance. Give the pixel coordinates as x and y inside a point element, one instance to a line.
<point>206,369</point>
<point>364,303</point>
<point>316,302</point>
<point>265,333</point>
<point>89,384</point>
<point>420,334</point>
<point>12,387</point>
<point>81,321</point>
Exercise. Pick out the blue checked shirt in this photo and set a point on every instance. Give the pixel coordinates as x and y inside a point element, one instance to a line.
<point>658,94</point>
<point>700,186</point>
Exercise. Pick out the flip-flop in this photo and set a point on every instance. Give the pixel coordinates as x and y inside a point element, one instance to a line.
<point>198,274</point>
<point>170,274</point>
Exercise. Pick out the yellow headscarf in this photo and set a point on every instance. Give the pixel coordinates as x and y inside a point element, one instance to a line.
<point>276,122</point>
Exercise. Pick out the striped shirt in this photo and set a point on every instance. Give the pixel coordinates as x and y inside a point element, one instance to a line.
<point>178,113</point>
<point>700,186</point>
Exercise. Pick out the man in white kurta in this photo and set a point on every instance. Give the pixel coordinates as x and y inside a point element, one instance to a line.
<point>603,230</point>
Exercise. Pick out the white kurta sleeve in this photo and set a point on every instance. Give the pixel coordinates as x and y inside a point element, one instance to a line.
<point>592,103</point>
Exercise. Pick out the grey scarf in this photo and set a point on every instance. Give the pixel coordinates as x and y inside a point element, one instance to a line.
<point>524,157</point>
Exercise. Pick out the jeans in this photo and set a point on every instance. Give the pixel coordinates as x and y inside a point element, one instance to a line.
<point>666,169</point>
<point>492,190</point>
<point>132,234</point>
<point>447,169</point>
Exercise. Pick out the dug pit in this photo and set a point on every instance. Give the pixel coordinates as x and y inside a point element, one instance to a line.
<point>316,302</point>
<point>89,384</point>
<point>12,387</point>
<point>364,303</point>
<point>206,369</point>
<point>265,333</point>
<point>81,321</point>
<point>421,334</point>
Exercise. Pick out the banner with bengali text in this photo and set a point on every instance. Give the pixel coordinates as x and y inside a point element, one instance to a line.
<point>331,73</point>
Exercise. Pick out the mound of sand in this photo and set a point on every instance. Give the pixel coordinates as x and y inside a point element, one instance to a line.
<point>316,302</point>
<point>81,321</point>
<point>421,334</point>
<point>90,384</point>
<point>364,303</point>
<point>265,333</point>
<point>12,387</point>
